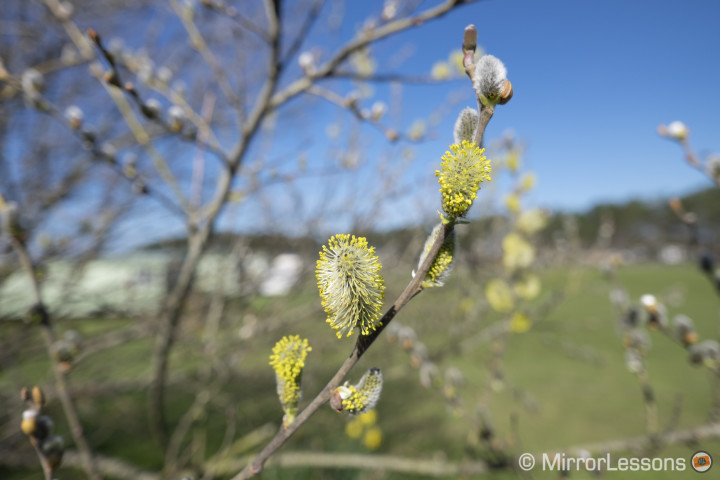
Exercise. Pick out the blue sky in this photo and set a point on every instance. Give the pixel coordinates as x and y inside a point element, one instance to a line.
<point>592,80</point>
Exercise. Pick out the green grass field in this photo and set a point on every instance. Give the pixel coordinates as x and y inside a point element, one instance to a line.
<point>563,383</point>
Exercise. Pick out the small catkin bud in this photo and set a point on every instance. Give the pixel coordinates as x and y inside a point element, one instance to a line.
<point>655,312</point>
<point>62,353</point>
<point>470,36</point>
<point>108,151</point>
<point>685,330</point>
<point>64,11</point>
<point>637,340</point>
<point>74,116</point>
<point>377,110</point>
<point>74,341</point>
<point>32,82</point>
<point>418,355</point>
<point>164,75</point>
<point>53,449</point>
<point>630,319</point>
<point>634,361</point>
<point>361,397</point>
<point>429,374</point>
<point>406,337</point>
<point>442,265</point>
<point>43,427</point>
<point>288,360</point>
<point>151,108</point>
<point>306,60</point>
<point>29,421</point>
<point>707,352</point>
<point>38,397</point>
<point>466,125</point>
<point>489,79</point>
<point>350,284</point>
<point>453,380</point>
<point>677,131</point>
<point>176,118</point>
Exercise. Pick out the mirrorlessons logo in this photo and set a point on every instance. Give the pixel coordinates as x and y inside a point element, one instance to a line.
<point>560,462</point>
<point>701,461</point>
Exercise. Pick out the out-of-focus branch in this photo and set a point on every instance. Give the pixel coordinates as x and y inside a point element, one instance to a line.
<point>111,467</point>
<point>689,436</point>
<point>198,239</point>
<point>238,17</point>
<point>362,40</point>
<point>310,20</point>
<point>351,106</point>
<point>40,314</point>
<point>391,77</point>
<point>374,462</point>
<point>199,44</point>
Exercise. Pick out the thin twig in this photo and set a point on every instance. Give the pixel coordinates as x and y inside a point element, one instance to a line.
<point>48,334</point>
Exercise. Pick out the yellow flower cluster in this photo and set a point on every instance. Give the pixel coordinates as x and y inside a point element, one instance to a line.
<point>359,398</point>
<point>364,425</point>
<point>532,221</point>
<point>442,265</point>
<point>499,295</point>
<point>463,168</point>
<point>517,252</point>
<point>288,360</point>
<point>350,284</point>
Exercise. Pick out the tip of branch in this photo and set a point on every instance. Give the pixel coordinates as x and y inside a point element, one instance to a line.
<point>94,36</point>
<point>470,39</point>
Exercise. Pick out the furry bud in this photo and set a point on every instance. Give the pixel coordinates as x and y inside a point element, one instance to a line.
<point>361,397</point>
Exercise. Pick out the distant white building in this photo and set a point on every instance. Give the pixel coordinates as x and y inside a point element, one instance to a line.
<point>284,272</point>
<point>136,283</point>
<point>672,254</point>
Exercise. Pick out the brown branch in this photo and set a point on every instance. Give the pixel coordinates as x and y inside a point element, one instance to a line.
<point>40,314</point>
<point>198,239</point>
<point>312,16</point>
<point>109,466</point>
<point>351,105</point>
<point>363,39</point>
<point>363,343</point>
<point>198,42</point>
<point>690,435</point>
<point>374,462</point>
<point>392,77</point>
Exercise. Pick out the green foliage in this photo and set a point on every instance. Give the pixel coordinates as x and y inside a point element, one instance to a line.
<point>565,379</point>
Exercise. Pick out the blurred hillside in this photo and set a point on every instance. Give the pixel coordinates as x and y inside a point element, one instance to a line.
<point>636,224</point>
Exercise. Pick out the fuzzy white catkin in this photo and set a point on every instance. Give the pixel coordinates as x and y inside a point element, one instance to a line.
<point>677,130</point>
<point>466,125</point>
<point>490,75</point>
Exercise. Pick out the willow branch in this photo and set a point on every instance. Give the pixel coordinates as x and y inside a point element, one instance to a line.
<point>48,334</point>
<point>373,462</point>
<point>172,306</point>
<point>198,42</point>
<point>690,436</point>
<point>361,41</point>
<point>302,34</point>
<point>363,343</point>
